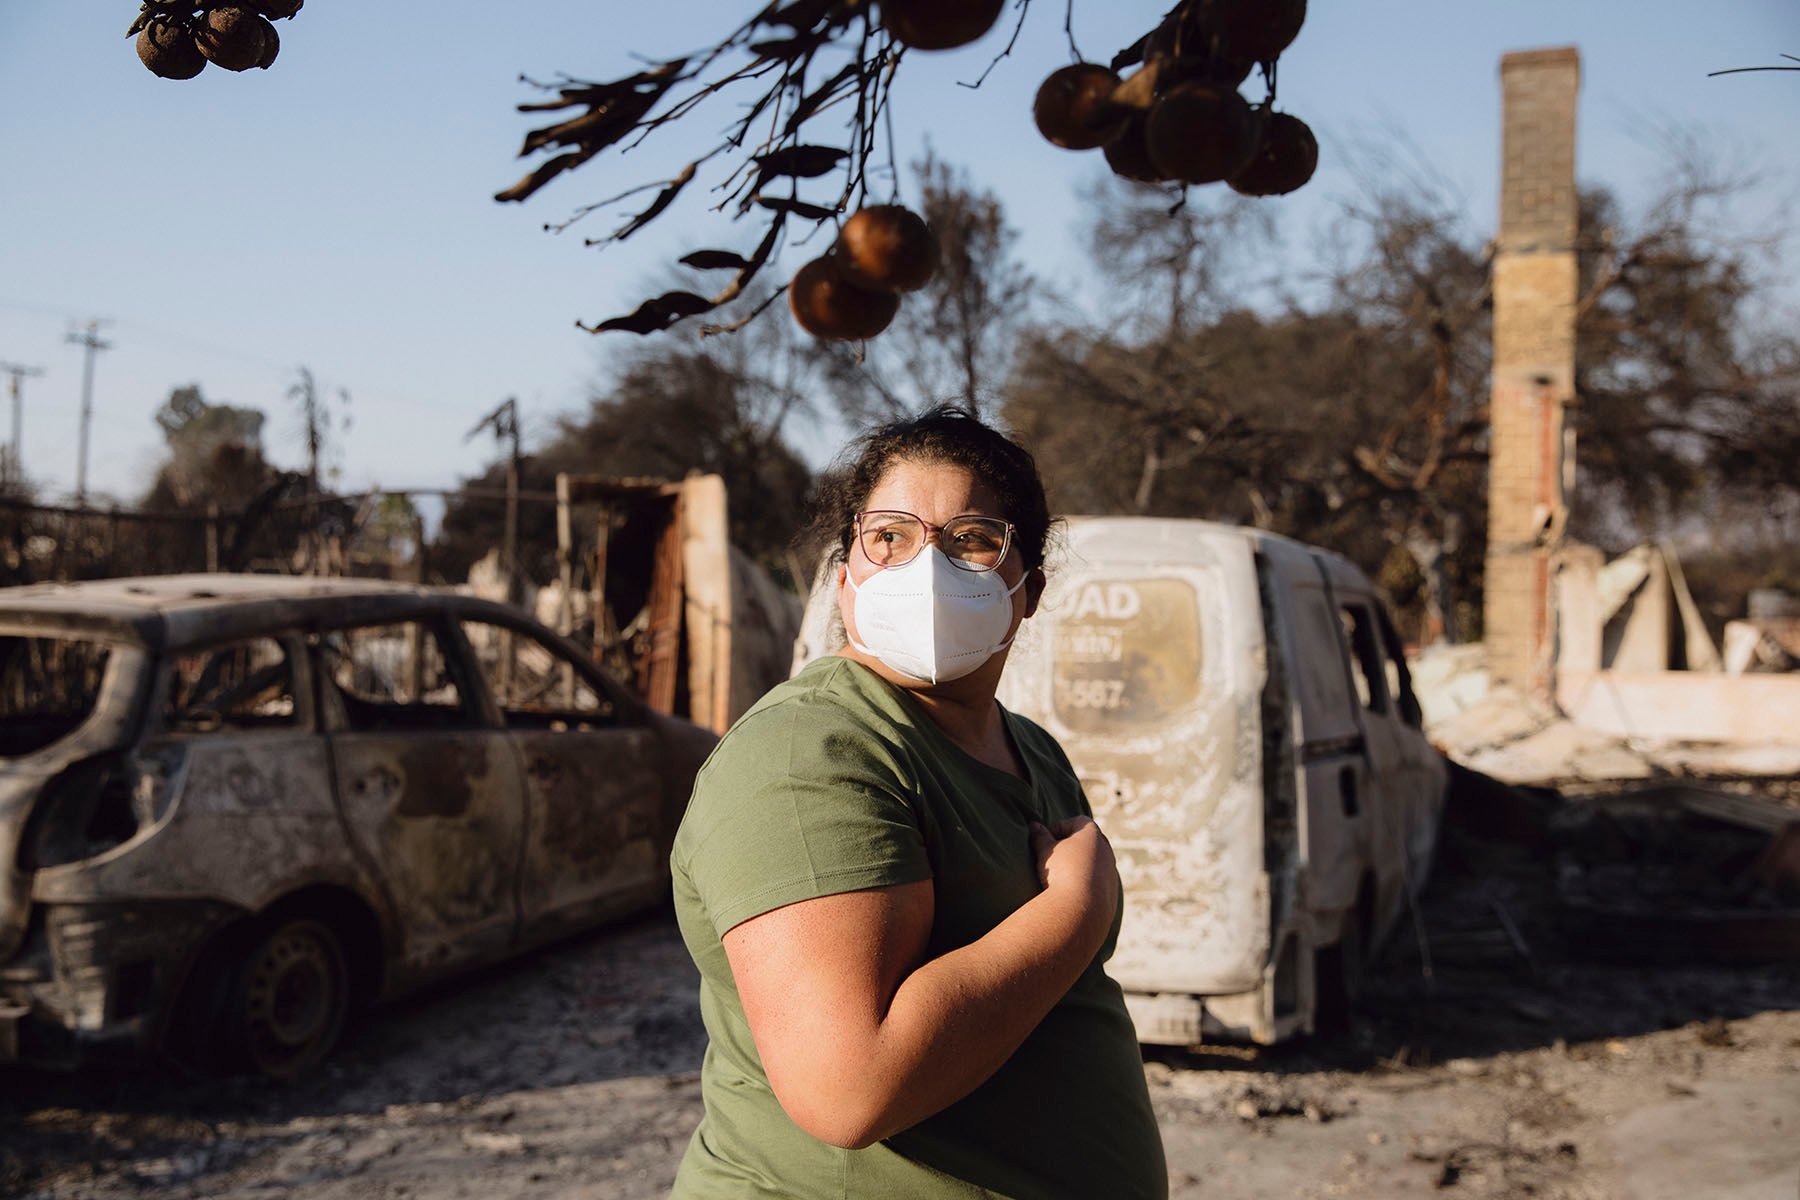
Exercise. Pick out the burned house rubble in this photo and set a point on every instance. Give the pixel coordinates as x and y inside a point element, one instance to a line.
<point>1637,689</point>
<point>1598,722</point>
<point>648,578</point>
<point>1661,779</point>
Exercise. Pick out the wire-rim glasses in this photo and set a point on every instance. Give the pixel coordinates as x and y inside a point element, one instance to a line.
<point>890,538</point>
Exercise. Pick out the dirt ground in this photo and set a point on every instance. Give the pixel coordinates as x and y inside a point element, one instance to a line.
<point>1493,1056</point>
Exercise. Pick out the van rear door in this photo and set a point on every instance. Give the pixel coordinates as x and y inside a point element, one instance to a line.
<point>1145,661</point>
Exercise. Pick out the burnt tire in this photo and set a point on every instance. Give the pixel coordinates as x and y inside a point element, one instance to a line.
<point>1338,971</point>
<point>288,999</point>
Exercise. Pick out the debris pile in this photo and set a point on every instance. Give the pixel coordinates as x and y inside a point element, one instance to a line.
<point>1525,740</point>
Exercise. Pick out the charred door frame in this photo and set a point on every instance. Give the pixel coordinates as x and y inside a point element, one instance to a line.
<point>407,966</point>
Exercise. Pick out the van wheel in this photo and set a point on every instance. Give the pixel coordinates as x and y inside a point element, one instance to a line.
<point>289,997</point>
<point>1338,977</point>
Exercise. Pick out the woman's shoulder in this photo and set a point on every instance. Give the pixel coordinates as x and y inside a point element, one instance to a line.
<point>832,690</point>
<point>834,710</point>
<point>815,755</point>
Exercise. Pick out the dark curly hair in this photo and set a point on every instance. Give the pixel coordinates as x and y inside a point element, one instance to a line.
<point>947,433</point>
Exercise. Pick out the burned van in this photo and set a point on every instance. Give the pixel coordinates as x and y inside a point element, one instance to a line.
<point>233,808</point>
<point>1238,708</point>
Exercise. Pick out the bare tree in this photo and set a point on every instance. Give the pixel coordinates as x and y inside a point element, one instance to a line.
<point>954,338</point>
<point>1689,385</point>
<point>1361,422</point>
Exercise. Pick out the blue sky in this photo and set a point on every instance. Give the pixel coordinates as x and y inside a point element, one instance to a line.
<point>336,211</point>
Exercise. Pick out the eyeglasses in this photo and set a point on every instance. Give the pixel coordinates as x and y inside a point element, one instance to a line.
<point>893,539</point>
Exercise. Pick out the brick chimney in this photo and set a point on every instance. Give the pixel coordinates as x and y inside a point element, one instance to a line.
<point>1531,455</point>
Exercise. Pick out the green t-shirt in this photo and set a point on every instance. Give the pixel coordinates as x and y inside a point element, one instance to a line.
<point>836,781</point>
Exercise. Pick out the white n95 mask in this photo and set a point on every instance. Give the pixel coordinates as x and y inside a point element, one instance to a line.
<point>930,619</point>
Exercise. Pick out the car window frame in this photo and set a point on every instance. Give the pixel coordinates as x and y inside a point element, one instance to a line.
<point>630,711</point>
<point>301,683</point>
<point>129,683</point>
<point>477,704</point>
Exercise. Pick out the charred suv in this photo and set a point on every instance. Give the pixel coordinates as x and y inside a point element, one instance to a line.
<point>233,809</point>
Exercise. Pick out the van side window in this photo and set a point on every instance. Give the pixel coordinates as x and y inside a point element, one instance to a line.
<point>534,684</point>
<point>1320,660</point>
<point>1399,678</point>
<point>245,685</point>
<point>393,677</point>
<point>1366,669</point>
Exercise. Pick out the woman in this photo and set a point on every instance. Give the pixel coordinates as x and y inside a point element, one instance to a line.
<point>894,889</point>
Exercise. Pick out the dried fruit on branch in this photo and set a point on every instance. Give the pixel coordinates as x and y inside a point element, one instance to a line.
<point>1284,160</point>
<point>177,38</point>
<point>232,37</point>
<point>886,248</point>
<point>271,46</point>
<point>829,306</point>
<point>1074,107</point>
<point>1200,133</point>
<point>1128,154</point>
<point>939,24</point>
<point>1192,52</point>
<point>168,49</point>
<point>1177,119</point>
<point>1254,30</point>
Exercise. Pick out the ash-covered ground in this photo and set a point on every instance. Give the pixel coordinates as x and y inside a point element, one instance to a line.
<point>1509,1044</point>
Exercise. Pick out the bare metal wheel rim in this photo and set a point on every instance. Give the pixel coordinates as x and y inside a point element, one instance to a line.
<point>292,994</point>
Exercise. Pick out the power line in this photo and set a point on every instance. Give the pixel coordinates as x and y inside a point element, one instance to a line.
<point>91,340</point>
<point>12,466</point>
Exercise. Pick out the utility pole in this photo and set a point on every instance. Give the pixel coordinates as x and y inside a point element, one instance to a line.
<point>91,340</point>
<point>12,467</point>
<point>504,421</point>
<point>318,420</point>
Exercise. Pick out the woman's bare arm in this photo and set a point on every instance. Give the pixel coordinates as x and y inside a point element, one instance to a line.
<point>861,1037</point>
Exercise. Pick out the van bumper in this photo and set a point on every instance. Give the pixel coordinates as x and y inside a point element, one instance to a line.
<point>1175,1019</point>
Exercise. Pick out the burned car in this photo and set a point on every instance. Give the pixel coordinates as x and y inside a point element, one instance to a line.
<point>234,809</point>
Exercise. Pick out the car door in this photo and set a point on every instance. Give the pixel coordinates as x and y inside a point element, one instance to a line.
<point>429,789</point>
<point>597,831</point>
<point>233,727</point>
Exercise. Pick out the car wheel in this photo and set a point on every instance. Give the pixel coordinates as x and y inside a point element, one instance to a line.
<point>289,998</point>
